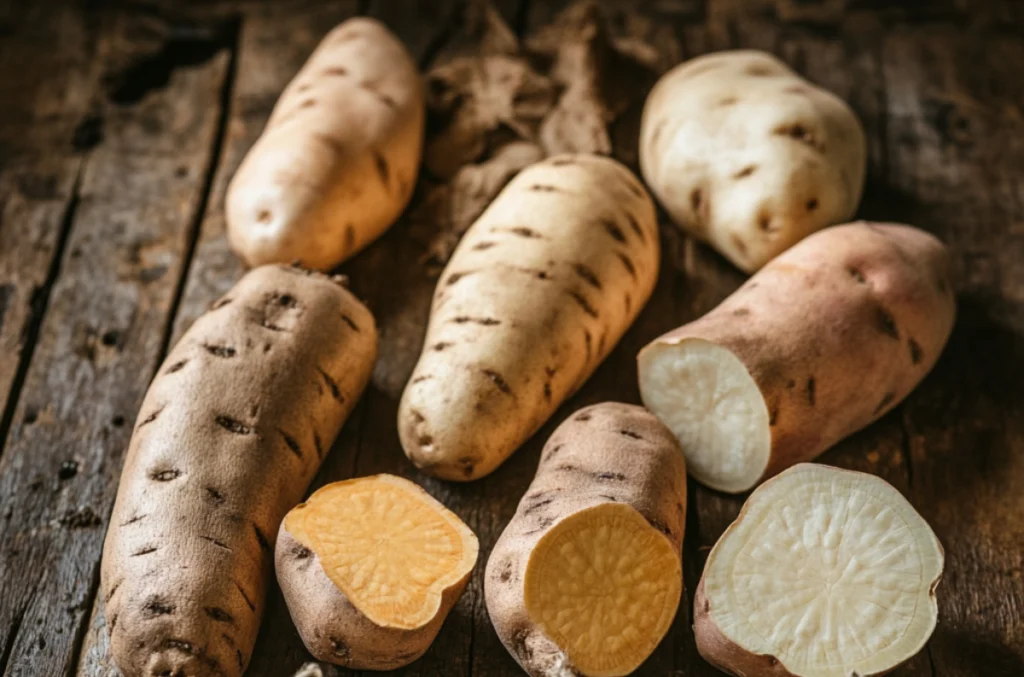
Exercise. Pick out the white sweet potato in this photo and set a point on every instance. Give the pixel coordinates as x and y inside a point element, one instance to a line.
<point>586,579</point>
<point>538,292</point>
<point>370,568</point>
<point>750,157</point>
<point>822,341</point>
<point>338,160</point>
<point>231,431</point>
<point>825,573</point>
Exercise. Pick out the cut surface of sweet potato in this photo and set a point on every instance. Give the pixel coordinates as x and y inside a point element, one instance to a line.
<point>826,573</point>
<point>709,400</point>
<point>388,545</point>
<point>604,585</point>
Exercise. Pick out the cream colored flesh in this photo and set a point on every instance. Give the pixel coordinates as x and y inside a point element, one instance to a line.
<point>711,403</point>
<point>831,572</point>
<point>604,585</point>
<point>388,545</point>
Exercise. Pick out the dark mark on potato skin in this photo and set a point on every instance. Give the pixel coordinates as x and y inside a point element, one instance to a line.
<point>544,188</point>
<point>165,475</point>
<point>582,302</point>
<point>628,264</point>
<point>332,385</point>
<point>773,416</point>
<point>441,345</point>
<point>587,275</point>
<point>291,444</point>
<point>810,391</point>
<point>741,312</point>
<point>220,544</point>
<point>350,237</point>
<point>483,321</point>
<point>588,340</point>
<point>696,197</point>
<point>613,230</point>
<point>261,538</point>
<point>798,132</point>
<point>481,246</point>
<point>528,233</point>
<point>158,606</point>
<point>886,401</point>
<point>234,426</point>
<point>382,168</point>
<point>220,351</point>
<point>745,172</point>
<point>149,419</point>
<point>455,277</point>
<point>635,227</point>
<point>610,477</point>
<point>351,323</point>
<point>916,354</point>
<point>887,324</point>
<point>856,275</point>
<point>631,434</point>
<point>498,381</point>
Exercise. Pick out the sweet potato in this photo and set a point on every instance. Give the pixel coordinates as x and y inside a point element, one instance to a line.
<point>538,292</point>
<point>824,340</point>
<point>338,160</point>
<point>747,155</point>
<point>229,435</point>
<point>586,579</point>
<point>370,568</point>
<point>825,573</point>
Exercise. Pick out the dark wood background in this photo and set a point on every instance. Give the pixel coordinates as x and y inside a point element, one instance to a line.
<point>120,125</point>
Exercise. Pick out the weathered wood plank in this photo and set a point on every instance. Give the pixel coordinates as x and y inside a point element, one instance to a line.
<point>49,65</point>
<point>100,341</point>
<point>956,157</point>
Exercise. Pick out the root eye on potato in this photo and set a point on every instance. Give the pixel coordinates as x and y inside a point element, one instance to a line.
<point>821,342</point>
<point>319,184</point>
<point>369,568</point>
<point>746,155</point>
<point>537,294</point>
<point>826,573</point>
<point>228,438</point>
<point>586,579</point>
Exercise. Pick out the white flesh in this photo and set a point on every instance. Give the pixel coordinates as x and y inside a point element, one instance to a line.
<point>830,571</point>
<point>711,403</point>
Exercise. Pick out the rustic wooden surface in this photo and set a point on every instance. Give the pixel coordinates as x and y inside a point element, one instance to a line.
<point>122,123</point>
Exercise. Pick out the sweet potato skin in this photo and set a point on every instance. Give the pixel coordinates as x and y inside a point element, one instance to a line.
<point>338,160</point>
<point>836,331</point>
<point>605,453</point>
<point>231,431</point>
<point>538,292</point>
<point>748,156</point>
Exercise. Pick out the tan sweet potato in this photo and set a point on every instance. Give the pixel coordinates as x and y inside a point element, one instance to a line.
<point>745,154</point>
<point>586,579</point>
<point>338,160</point>
<point>825,573</point>
<point>230,433</point>
<point>370,568</point>
<point>538,292</point>
<point>824,340</point>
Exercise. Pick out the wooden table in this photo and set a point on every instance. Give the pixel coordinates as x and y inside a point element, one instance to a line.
<point>120,126</point>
